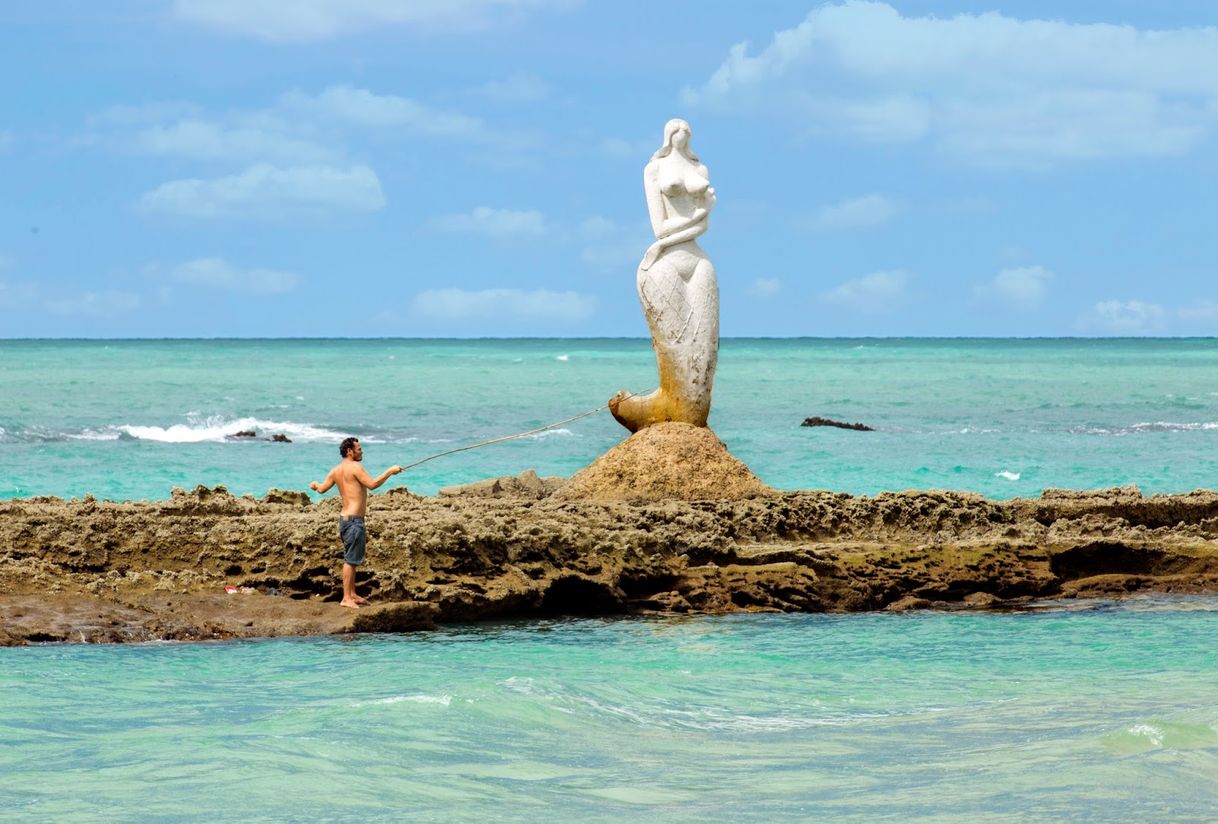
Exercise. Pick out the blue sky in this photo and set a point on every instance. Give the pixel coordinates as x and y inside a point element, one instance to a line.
<point>422,168</point>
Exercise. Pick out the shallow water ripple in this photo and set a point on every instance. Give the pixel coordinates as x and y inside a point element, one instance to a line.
<point>1106,712</point>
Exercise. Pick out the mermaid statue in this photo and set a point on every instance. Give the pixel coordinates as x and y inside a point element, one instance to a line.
<point>677,288</point>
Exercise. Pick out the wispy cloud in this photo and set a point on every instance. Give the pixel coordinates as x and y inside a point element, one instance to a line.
<point>1206,310</point>
<point>1129,317</point>
<point>265,192</point>
<point>216,273</point>
<point>104,304</point>
<point>512,304</point>
<point>361,108</point>
<point>17,295</point>
<point>629,149</point>
<point>303,21</point>
<point>857,213</point>
<point>875,293</point>
<point>986,87</point>
<point>268,139</point>
<point>609,246</point>
<point>33,296</point>
<point>1022,287</point>
<point>297,128</point>
<point>497,223</point>
<point>765,288</point>
<point>519,88</point>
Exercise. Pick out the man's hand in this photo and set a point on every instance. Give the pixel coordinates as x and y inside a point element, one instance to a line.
<point>395,469</point>
<point>315,486</point>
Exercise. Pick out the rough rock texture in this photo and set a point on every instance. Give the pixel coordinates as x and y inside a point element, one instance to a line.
<point>525,485</point>
<point>101,571</point>
<point>664,462</point>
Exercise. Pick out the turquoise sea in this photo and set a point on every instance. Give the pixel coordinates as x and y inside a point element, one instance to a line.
<point>1074,711</point>
<point>132,419</point>
<point>1102,713</point>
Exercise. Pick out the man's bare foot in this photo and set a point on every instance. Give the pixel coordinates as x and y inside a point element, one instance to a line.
<point>348,603</point>
<point>361,600</point>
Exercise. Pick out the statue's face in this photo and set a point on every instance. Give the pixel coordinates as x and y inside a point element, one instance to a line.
<point>680,138</point>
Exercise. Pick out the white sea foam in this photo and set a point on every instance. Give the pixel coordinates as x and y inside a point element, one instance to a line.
<point>107,434</point>
<point>1147,426</point>
<point>1010,476</point>
<point>215,428</point>
<point>1169,426</point>
<point>1149,732</point>
<point>550,433</point>
<point>563,358</point>
<point>442,700</point>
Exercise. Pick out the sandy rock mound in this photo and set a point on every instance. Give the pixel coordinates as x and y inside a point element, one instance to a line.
<point>666,461</point>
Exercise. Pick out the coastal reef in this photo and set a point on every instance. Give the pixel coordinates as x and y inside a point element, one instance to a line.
<point>205,564</point>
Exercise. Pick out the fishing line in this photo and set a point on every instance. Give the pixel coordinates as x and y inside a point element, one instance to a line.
<point>508,437</point>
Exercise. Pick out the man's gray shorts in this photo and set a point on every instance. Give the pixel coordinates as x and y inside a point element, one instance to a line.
<point>355,540</point>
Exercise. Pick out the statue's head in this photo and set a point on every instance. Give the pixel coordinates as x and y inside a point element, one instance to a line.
<point>676,136</point>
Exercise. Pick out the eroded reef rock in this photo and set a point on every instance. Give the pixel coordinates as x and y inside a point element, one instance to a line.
<point>101,571</point>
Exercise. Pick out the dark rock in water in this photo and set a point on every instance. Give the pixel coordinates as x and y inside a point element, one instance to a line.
<point>281,439</point>
<point>244,433</point>
<point>857,427</point>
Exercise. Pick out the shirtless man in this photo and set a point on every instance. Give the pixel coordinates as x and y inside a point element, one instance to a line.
<point>353,485</point>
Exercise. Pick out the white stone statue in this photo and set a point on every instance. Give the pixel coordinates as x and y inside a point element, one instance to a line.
<point>677,287</point>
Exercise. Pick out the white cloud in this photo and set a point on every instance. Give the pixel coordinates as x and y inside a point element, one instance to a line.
<point>986,86</point>
<point>877,292</point>
<point>765,288</point>
<point>513,304</point>
<point>31,295</point>
<point>519,88</point>
<point>857,213</point>
<point>216,273</point>
<point>1022,287</point>
<point>105,304</point>
<point>202,140</point>
<point>268,192</point>
<point>300,21</point>
<point>297,129</point>
<point>500,223</point>
<point>349,106</point>
<point>1125,317</point>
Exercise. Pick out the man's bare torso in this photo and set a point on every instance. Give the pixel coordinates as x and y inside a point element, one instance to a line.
<point>354,493</point>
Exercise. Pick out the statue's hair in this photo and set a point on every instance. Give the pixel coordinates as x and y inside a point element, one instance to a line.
<point>670,129</point>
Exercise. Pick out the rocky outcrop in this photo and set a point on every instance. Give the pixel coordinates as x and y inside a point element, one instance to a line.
<point>525,485</point>
<point>665,462</point>
<point>100,571</point>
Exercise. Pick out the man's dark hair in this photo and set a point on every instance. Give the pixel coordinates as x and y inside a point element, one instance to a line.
<point>348,445</point>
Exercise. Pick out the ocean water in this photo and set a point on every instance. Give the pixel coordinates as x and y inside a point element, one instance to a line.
<point>1087,711</point>
<point>132,419</point>
<point>1103,712</point>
